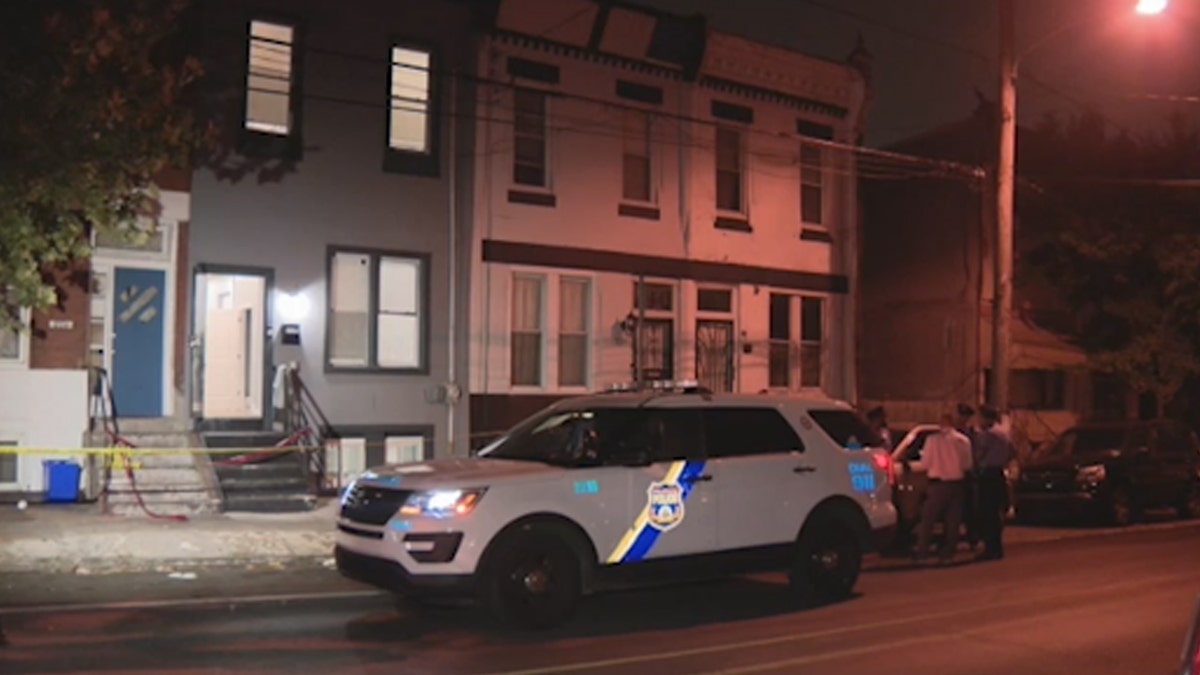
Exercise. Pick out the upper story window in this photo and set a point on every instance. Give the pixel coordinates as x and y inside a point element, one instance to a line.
<point>409,121</point>
<point>635,165</point>
<point>378,314</point>
<point>812,191</point>
<point>530,148</point>
<point>730,179</point>
<point>813,158</point>
<point>270,79</point>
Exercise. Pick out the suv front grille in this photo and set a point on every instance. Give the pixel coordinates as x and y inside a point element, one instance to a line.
<point>372,505</point>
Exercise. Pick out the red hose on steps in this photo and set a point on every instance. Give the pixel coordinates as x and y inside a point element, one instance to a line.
<point>121,441</point>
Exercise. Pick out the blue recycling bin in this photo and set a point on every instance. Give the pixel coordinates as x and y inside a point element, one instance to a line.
<point>62,480</point>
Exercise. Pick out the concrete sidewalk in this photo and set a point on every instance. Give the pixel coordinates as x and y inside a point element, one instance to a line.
<point>78,538</point>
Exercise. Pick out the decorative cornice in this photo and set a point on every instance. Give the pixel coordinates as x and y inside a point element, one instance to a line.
<point>584,54</point>
<point>763,94</point>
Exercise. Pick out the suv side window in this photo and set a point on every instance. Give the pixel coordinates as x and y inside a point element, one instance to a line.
<point>846,428</point>
<point>678,432</point>
<point>736,432</point>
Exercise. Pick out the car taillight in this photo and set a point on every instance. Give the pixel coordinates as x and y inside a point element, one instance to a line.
<point>883,462</point>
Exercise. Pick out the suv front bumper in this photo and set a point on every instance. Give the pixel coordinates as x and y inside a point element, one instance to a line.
<point>391,576</point>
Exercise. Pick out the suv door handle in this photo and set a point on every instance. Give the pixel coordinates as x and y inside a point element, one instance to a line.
<point>804,468</point>
<point>704,477</point>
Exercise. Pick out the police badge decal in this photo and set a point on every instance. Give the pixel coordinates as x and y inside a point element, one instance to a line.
<point>664,505</point>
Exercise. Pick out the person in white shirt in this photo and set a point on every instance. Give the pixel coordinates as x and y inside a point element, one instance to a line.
<point>947,459</point>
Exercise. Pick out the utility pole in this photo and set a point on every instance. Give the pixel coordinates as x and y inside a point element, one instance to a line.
<point>1002,249</point>
<point>639,343</point>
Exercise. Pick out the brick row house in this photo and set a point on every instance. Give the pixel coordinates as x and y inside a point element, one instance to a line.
<point>478,207</point>
<point>647,184</point>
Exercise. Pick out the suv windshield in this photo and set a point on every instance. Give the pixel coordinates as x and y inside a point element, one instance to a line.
<point>596,437</point>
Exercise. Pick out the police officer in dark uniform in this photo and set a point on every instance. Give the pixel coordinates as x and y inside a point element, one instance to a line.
<point>993,450</point>
<point>970,497</point>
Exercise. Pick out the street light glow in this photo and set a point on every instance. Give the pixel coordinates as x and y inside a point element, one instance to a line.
<point>1151,6</point>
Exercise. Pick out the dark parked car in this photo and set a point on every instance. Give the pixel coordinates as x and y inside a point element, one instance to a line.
<point>1113,471</point>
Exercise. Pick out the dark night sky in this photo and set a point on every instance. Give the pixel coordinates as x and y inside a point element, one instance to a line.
<point>1098,53</point>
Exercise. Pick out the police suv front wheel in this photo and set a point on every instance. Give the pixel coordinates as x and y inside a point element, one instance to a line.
<point>533,580</point>
<point>827,562</point>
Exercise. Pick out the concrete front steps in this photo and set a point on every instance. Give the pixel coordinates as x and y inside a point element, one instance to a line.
<point>278,484</point>
<point>173,483</point>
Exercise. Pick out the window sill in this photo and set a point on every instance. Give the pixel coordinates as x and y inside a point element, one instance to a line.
<point>411,163</point>
<point>374,370</point>
<point>532,197</point>
<point>644,212</point>
<point>267,145</point>
<point>737,223</point>
<point>819,234</point>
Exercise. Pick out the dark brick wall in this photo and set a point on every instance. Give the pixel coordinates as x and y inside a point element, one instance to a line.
<point>60,334</point>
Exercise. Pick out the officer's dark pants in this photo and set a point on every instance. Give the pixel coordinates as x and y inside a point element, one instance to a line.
<point>943,502</point>
<point>993,503</point>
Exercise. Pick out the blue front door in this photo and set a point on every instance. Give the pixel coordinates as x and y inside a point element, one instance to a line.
<point>137,362</point>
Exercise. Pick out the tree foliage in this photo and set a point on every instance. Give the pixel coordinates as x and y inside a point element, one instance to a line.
<point>99,96</point>
<point>1124,248</point>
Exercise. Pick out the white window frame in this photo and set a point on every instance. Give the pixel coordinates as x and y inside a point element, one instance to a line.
<point>543,288</point>
<point>796,341</point>
<point>744,191</point>
<point>822,343</point>
<point>398,103</point>
<point>588,329</point>
<point>258,44</point>
<point>21,361</point>
<point>374,312</point>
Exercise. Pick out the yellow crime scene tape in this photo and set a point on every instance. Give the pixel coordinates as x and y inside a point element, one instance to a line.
<point>126,450</point>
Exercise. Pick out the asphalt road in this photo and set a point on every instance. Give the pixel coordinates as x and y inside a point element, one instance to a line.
<point>1116,603</point>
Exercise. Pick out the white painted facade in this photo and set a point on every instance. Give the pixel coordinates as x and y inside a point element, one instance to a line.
<point>45,411</point>
<point>586,137</point>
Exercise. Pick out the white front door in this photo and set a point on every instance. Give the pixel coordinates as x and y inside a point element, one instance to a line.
<point>231,338</point>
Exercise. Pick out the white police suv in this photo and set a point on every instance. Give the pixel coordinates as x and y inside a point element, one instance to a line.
<point>626,488</point>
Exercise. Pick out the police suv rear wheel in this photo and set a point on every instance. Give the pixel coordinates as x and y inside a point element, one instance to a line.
<point>533,580</point>
<point>827,562</point>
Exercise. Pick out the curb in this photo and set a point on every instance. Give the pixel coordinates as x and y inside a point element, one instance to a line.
<point>108,566</point>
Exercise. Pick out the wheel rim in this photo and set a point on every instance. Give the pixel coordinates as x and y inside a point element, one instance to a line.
<point>533,578</point>
<point>832,560</point>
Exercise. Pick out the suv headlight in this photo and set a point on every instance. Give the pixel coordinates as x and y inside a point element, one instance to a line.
<point>442,503</point>
<point>1092,473</point>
